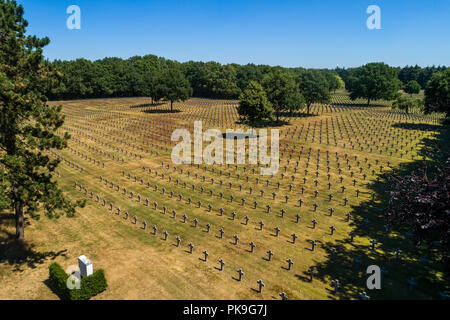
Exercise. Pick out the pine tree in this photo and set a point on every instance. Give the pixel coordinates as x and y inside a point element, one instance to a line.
<point>28,124</point>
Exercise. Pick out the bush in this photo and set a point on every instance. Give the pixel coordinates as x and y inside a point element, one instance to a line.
<point>89,286</point>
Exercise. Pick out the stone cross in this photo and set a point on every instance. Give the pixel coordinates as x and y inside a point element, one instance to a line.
<point>277,231</point>
<point>222,263</point>
<point>351,235</point>
<point>332,229</point>
<point>335,284</point>
<point>178,239</point>
<point>191,247</point>
<point>261,225</point>
<point>221,233</point>
<point>236,239</point>
<point>373,243</point>
<point>241,274</point>
<point>283,296</point>
<point>252,246</point>
<point>363,295</point>
<point>290,263</point>
<point>260,285</point>
<point>155,229</point>
<point>294,237</point>
<point>313,244</point>
<point>206,254</point>
<point>269,255</point>
<point>312,273</point>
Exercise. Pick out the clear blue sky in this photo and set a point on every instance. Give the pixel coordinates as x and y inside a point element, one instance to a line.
<point>308,33</point>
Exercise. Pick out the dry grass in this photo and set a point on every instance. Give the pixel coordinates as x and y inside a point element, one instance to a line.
<point>140,265</point>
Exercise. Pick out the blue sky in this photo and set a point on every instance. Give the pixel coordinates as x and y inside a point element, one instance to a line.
<point>308,33</point>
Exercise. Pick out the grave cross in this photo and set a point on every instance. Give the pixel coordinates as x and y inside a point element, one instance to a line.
<point>260,285</point>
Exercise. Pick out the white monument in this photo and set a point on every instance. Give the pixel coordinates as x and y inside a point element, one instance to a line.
<point>85,265</point>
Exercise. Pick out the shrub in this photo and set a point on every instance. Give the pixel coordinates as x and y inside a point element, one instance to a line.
<point>89,286</point>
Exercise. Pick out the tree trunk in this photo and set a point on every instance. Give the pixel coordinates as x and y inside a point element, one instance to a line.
<point>153,102</point>
<point>20,228</point>
<point>368,102</point>
<point>171,105</point>
<point>307,108</point>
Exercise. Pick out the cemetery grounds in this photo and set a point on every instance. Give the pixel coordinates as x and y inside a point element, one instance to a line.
<point>120,151</point>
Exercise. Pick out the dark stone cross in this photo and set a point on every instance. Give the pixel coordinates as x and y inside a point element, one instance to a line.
<point>241,274</point>
<point>191,247</point>
<point>222,263</point>
<point>283,296</point>
<point>269,255</point>
<point>260,285</point>
<point>290,263</point>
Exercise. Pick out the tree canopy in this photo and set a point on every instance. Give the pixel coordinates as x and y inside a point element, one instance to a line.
<point>254,105</point>
<point>437,93</point>
<point>412,87</point>
<point>282,91</point>
<point>173,85</point>
<point>314,88</point>
<point>28,124</point>
<point>373,81</point>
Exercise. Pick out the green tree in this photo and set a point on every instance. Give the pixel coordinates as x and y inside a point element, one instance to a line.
<point>412,87</point>
<point>27,124</point>
<point>314,88</point>
<point>406,103</point>
<point>173,85</point>
<point>335,82</point>
<point>282,91</point>
<point>373,81</point>
<point>437,93</point>
<point>254,105</point>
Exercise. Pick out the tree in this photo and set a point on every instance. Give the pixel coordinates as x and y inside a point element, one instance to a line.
<point>437,93</point>
<point>27,124</point>
<point>406,103</point>
<point>314,88</point>
<point>254,105</point>
<point>173,85</point>
<point>419,202</point>
<point>373,81</point>
<point>282,91</point>
<point>412,87</point>
<point>335,82</point>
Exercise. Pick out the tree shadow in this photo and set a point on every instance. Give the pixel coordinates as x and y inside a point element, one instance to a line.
<point>297,114</point>
<point>263,123</point>
<point>160,111</point>
<point>348,261</point>
<point>146,105</point>
<point>18,254</point>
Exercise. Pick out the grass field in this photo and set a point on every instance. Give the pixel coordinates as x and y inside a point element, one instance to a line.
<point>128,143</point>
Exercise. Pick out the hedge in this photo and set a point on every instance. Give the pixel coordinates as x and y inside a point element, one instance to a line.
<point>89,286</point>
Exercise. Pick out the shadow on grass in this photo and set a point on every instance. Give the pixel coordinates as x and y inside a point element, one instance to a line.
<point>358,105</point>
<point>146,105</point>
<point>347,261</point>
<point>52,289</point>
<point>263,123</point>
<point>160,111</point>
<point>18,254</point>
